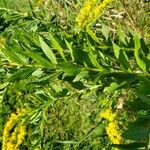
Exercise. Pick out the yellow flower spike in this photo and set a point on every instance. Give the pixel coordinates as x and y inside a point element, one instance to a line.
<point>9,125</point>
<point>12,141</point>
<point>90,11</point>
<point>20,136</point>
<point>84,12</point>
<point>113,133</point>
<point>13,136</point>
<point>10,146</point>
<point>98,11</point>
<point>108,114</point>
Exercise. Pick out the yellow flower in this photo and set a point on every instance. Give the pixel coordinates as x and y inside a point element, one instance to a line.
<point>10,146</point>
<point>13,136</point>
<point>20,136</point>
<point>113,133</point>
<point>97,12</point>
<point>9,125</point>
<point>84,12</point>
<point>108,114</point>
<point>90,11</point>
<point>20,111</point>
<point>10,139</point>
<point>16,138</point>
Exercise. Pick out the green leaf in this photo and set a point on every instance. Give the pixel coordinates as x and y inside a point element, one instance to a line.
<point>21,74</point>
<point>69,46</point>
<point>39,59</point>
<point>143,90</point>
<point>130,146</point>
<point>30,39</point>
<point>114,86</point>
<point>62,93</point>
<point>148,57</point>
<point>122,57</point>
<point>144,86</point>
<point>77,85</point>
<point>47,50</point>
<point>105,31</point>
<point>57,46</point>
<point>80,76</point>
<point>3,85</point>
<point>93,36</point>
<point>136,133</point>
<point>69,69</point>
<point>92,55</point>
<point>137,47</point>
<point>13,57</point>
<point>122,36</point>
<point>82,57</point>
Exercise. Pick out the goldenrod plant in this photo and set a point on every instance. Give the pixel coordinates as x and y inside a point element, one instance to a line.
<point>74,75</point>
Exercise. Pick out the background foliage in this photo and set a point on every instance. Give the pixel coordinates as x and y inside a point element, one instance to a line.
<point>65,76</point>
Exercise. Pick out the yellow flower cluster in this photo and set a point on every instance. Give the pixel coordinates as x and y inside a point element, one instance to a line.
<point>90,11</point>
<point>8,126</point>
<point>108,114</point>
<point>16,138</point>
<point>11,141</point>
<point>112,131</point>
<point>20,136</point>
<point>84,12</point>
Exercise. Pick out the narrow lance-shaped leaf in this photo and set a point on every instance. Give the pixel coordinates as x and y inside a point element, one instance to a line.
<point>12,57</point>
<point>93,36</point>
<point>105,31</point>
<point>122,36</point>
<point>92,55</point>
<point>80,76</point>
<point>137,46</point>
<point>57,46</point>
<point>38,58</point>
<point>47,50</point>
<point>69,46</point>
<point>69,69</point>
<point>21,74</point>
<point>122,57</point>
